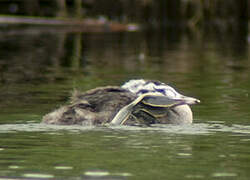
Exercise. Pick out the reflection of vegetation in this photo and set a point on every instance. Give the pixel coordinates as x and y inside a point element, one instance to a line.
<point>77,51</point>
<point>59,61</point>
<point>55,63</point>
<point>107,54</point>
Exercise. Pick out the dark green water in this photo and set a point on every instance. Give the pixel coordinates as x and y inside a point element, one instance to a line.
<point>40,67</point>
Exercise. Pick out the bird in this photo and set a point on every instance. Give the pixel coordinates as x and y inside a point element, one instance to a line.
<point>137,102</point>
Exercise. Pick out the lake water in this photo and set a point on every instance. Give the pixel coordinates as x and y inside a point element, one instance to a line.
<point>39,67</point>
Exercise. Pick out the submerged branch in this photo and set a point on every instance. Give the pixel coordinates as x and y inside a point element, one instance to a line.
<point>90,24</point>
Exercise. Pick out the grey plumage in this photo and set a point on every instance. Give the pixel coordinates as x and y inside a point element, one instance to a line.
<point>96,106</point>
<point>127,105</point>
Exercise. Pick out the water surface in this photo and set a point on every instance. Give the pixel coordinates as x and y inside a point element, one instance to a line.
<point>40,67</point>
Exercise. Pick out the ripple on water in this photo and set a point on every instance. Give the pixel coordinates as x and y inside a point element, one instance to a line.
<point>184,154</point>
<point>195,176</point>
<point>224,174</point>
<point>13,167</point>
<point>96,173</point>
<point>38,175</point>
<point>105,173</point>
<point>196,128</point>
<point>63,167</point>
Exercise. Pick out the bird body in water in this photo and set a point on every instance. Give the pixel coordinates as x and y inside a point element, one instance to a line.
<point>137,102</point>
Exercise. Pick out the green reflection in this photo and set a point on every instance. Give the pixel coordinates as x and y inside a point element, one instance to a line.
<point>40,69</point>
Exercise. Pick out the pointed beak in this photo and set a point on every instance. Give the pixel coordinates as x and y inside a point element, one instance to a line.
<point>189,100</point>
